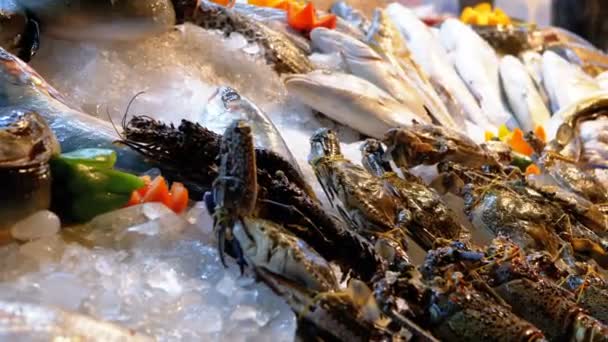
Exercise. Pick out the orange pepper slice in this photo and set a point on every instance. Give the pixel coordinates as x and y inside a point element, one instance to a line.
<point>158,191</point>
<point>519,144</point>
<point>147,180</point>
<point>226,3</point>
<point>179,197</point>
<point>539,131</point>
<point>532,169</point>
<point>135,199</point>
<point>280,4</point>
<point>305,19</point>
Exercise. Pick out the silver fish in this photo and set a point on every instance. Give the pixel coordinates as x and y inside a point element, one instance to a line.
<point>524,100</point>
<point>533,61</point>
<point>351,101</point>
<point>227,105</point>
<point>590,59</point>
<point>477,65</point>
<point>356,20</point>
<point>102,19</point>
<point>565,82</point>
<point>23,90</point>
<point>428,52</point>
<point>362,61</point>
<point>32,322</point>
<point>275,19</point>
<point>278,50</point>
<point>385,37</point>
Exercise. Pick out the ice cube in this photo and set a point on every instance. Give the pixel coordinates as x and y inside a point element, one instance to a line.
<point>64,290</point>
<point>243,313</point>
<point>208,320</point>
<point>41,224</point>
<point>227,285</point>
<point>44,249</point>
<point>104,266</point>
<point>200,217</point>
<point>235,41</point>
<point>165,278</point>
<point>106,304</point>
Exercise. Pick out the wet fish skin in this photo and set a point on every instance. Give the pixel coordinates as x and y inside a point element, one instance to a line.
<point>565,82</point>
<point>23,90</point>
<point>279,51</point>
<point>477,64</point>
<point>227,105</point>
<point>524,100</point>
<point>384,36</point>
<point>427,51</point>
<point>362,61</point>
<point>533,62</point>
<point>351,101</point>
<point>32,322</point>
<point>356,22</point>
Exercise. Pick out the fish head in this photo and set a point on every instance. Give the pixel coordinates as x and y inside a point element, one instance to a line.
<point>18,80</point>
<point>225,97</point>
<point>222,107</point>
<point>351,48</point>
<point>323,143</point>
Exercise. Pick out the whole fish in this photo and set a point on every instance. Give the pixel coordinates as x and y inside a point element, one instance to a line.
<point>227,105</point>
<point>565,82</point>
<point>275,19</point>
<point>524,99</point>
<point>533,61</point>
<point>362,61</point>
<point>32,322</point>
<point>351,101</point>
<point>385,37</point>
<point>23,90</point>
<point>278,50</point>
<point>590,59</point>
<point>427,51</point>
<point>101,19</point>
<point>477,65</point>
<point>357,20</point>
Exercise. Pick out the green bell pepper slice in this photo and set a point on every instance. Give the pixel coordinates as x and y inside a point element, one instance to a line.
<point>100,158</point>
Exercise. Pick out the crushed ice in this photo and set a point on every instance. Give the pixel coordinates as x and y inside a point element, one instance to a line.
<point>169,284</point>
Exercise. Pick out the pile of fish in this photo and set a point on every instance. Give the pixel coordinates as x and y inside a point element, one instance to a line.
<point>507,254</point>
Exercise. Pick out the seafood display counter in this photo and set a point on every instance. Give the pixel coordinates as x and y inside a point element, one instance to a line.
<point>279,170</point>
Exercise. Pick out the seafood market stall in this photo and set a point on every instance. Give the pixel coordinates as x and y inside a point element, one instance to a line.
<point>283,170</point>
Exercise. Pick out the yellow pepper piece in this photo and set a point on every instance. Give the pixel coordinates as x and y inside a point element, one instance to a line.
<point>489,136</point>
<point>501,17</point>
<point>483,7</point>
<point>483,14</point>
<point>469,15</point>
<point>503,132</point>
